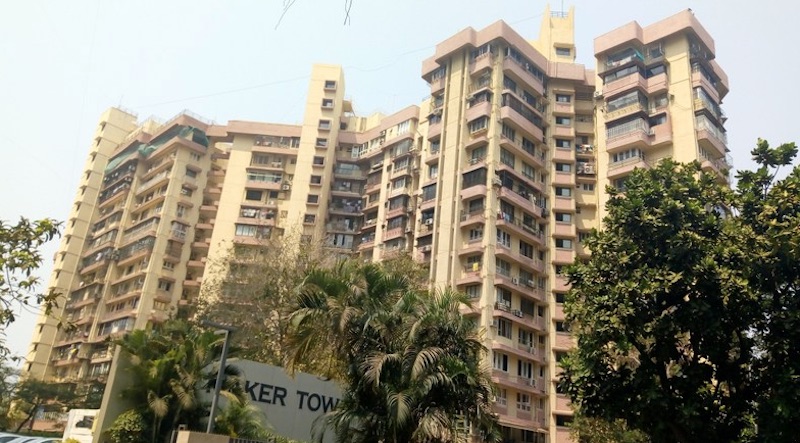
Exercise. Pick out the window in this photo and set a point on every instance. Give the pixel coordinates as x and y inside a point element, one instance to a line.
<point>251,194</point>
<point>563,121</point>
<point>503,297</point>
<point>563,217</point>
<point>563,167</point>
<point>327,103</point>
<point>504,328</point>
<point>560,297</point>
<point>180,211</point>
<point>324,125</point>
<point>563,52</point>
<point>309,219</point>
<point>507,158</point>
<point>473,291</point>
<point>194,156</point>
<point>525,369</point>
<point>478,124</point>
<point>330,84</point>
<point>312,199</point>
<point>433,171</point>
<point>559,269</point>
<point>563,243</point>
<point>259,159</point>
<point>563,98</point>
<point>316,179</point>
<point>500,361</point>
<point>563,192</point>
<point>191,173</point>
<point>625,155</point>
<point>561,326</point>
<point>164,285</point>
<point>523,401</point>
<point>476,233</point>
<point>435,146</point>
<point>403,127</point>
<point>168,265</point>
<point>503,238</point>
<point>502,397</point>
<point>563,420</point>
<point>583,236</point>
<point>562,143</point>
<point>526,250</point>
<point>319,161</point>
<point>474,178</point>
<point>588,186</point>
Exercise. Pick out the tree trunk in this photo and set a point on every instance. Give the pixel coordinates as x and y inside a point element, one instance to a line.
<point>29,417</point>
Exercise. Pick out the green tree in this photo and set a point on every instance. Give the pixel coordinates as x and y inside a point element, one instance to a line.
<point>662,309</point>
<point>409,363</point>
<point>596,430</point>
<point>168,367</point>
<point>129,427</point>
<point>19,259</point>
<point>770,217</point>
<point>31,395</point>
<point>241,419</point>
<point>254,292</point>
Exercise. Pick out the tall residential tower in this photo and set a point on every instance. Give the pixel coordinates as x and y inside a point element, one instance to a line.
<point>492,182</point>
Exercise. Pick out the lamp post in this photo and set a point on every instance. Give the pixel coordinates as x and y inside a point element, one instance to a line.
<point>227,330</point>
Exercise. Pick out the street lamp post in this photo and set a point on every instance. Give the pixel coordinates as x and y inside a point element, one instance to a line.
<point>220,373</point>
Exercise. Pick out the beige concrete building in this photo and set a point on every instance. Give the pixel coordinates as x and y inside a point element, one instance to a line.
<point>492,182</point>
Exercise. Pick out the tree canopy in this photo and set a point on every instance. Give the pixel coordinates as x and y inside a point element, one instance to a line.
<point>686,315</point>
<point>410,365</point>
<point>19,259</point>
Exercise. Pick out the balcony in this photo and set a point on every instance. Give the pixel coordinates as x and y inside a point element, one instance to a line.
<point>510,115</point>
<point>623,84</point>
<point>623,168</point>
<point>710,137</point>
<point>720,167</point>
<point>564,179</point>
<point>473,191</point>
<point>483,108</point>
<point>393,233</point>
<point>563,256</point>
<point>470,274</point>
<point>528,231</point>
<point>516,69</point>
<point>472,217</point>
<point>160,178</point>
<point>527,153</point>
<point>634,134</point>
<point>525,384</point>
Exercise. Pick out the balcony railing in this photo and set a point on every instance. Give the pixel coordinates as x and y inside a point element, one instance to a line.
<point>703,123</point>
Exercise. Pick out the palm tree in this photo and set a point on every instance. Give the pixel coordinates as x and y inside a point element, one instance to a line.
<point>168,366</point>
<point>240,419</point>
<point>410,364</point>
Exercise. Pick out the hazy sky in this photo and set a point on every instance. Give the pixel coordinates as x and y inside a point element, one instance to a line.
<point>63,63</point>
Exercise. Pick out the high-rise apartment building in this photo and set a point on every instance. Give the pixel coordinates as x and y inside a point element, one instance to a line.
<point>493,182</point>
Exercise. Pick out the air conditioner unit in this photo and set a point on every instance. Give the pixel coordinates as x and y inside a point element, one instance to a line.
<point>514,281</point>
<point>426,248</point>
<point>496,323</point>
<point>286,186</point>
<point>377,165</point>
<point>651,132</point>
<point>530,284</point>
<point>409,209</point>
<point>409,230</point>
<point>517,313</point>
<point>277,164</point>
<point>429,221</point>
<point>598,94</point>
<point>497,182</point>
